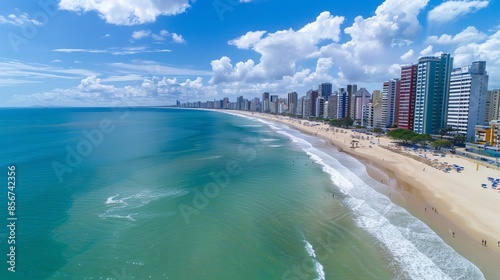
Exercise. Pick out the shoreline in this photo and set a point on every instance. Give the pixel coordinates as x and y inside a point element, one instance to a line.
<point>458,200</point>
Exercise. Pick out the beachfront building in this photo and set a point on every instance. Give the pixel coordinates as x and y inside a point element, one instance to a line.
<point>351,91</point>
<point>331,112</point>
<point>467,98</point>
<point>325,90</point>
<point>300,105</point>
<point>492,105</point>
<point>292,102</point>
<point>312,95</point>
<point>273,104</point>
<point>361,98</point>
<point>265,102</point>
<point>488,134</point>
<point>320,106</point>
<point>389,93</point>
<point>306,108</point>
<point>431,98</point>
<point>342,104</point>
<point>406,108</point>
<point>366,115</point>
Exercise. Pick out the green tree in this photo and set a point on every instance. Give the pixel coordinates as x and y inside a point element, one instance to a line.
<point>444,131</point>
<point>459,139</point>
<point>421,139</point>
<point>377,130</point>
<point>438,144</point>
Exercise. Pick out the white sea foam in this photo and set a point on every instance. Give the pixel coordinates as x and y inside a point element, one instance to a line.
<point>120,205</point>
<point>418,252</point>
<point>274,146</point>
<point>208,158</point>
<point>269,140</point>
<point>319,268</point>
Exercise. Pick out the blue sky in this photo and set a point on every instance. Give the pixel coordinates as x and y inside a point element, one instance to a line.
<point>151,52</point>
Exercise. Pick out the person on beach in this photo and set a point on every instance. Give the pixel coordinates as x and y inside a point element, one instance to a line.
<point>453,234</point>
<point>482,242</point>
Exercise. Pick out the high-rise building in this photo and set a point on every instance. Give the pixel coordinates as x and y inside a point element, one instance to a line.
<point>325,90</point>
<point>274,103</point>
<point>361,98</point>
<point>351,108</point>
<point>300,106</point>
<point>320,106</point>
<point>342,104</point>
<point>225,103</point>
<point>492,105</point>
<point>407,92</point>
<point>240,103</point>
<point>306,108</point>
<point>312,95</point>
<point>292,102</point>
<point>332,106</point>
<point>389,93</point>
<point>431,99</point>
<point>467,98</point>
<point>265,102</point>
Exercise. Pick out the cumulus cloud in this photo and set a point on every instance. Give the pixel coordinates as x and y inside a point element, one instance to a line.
<point>376,41</point>
<point>451,10</point>
<point>488,50</point>
<point>408,56</point>
<point>127,12</point>
<point>279,51</point>
<point>248,40</point>
<point>468,35</point>
<point>427,51</point>
<point>93,92</point>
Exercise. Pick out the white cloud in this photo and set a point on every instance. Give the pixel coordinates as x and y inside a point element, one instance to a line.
<point>154,68</point>
<point>140,34</point>
<point>161,36</point>
<point>427,51</point>
<point>451,10</point>
<point>19,20</point>
<point>56,61</point>
<point>280,51</point>
<point>376,42</point>
<point>17,72</point>
<point>115,51</point>
<point>488,51</point>
<point>468,35</point>
<point>93,92</point>
<point>248,40</point>
<point>127,12</point>
<point>408,56</point>
<point>178,38</point>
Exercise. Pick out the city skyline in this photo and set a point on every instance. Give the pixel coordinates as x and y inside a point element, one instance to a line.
<point>151,54</point>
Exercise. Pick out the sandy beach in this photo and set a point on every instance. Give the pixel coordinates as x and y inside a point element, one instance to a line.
<point>453,203</point>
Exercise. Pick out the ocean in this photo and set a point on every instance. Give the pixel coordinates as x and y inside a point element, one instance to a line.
<point>165,193</point>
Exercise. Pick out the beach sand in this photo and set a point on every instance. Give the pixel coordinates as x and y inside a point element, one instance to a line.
<point>461,205</point>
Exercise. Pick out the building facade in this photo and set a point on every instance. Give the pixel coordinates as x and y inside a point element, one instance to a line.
<point>431,98</point>
<point>406,108</point>
<point>467,98</point>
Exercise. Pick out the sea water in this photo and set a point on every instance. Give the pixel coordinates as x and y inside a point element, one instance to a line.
<point>157,193</point>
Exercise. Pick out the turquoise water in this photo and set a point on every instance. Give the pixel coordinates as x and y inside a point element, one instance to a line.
<point>154,193</point>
